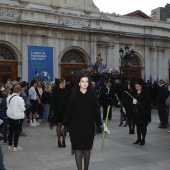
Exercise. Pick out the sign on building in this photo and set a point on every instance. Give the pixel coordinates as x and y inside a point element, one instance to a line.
<point>40,63</point>
<point>74,23</point>
<point>9,15</point>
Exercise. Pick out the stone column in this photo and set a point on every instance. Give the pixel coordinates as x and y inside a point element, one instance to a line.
<point>162,64</point>
<point>19,69</point>
<point>147,63</point>
<point>109,57</point>
<point>154,63</point>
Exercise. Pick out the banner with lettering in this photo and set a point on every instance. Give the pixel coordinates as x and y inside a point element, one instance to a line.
<point>40,63</point>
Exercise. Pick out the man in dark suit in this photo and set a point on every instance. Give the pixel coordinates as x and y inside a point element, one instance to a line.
<point>107,99</point>
<point>161,97</point>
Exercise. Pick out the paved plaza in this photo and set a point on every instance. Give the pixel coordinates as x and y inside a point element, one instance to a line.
<point>41,151</point>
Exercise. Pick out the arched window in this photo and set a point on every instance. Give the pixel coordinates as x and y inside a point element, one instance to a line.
<point>72,57</point>
<point>6,53</point>
<point>134,61</point>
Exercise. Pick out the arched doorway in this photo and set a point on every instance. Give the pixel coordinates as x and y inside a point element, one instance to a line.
<point>130,68</point>
<point>72,61</point>
<point>8,64</point>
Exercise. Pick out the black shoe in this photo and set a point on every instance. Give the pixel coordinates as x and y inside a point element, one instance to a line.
<point>121,124</point>
<point>137,142</point>
<point>59,144</point>
<point>63,144</point>
<point>142,143</point>
<point>162,127</point>
<point>110,118</point>
<point>131,131</point>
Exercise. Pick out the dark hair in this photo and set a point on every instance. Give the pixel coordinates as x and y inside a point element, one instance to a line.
<point>161,81</point>
<point>5,81</point>
<point>76,86</point>
<point>18,79</point>
<point>140,82</point>
<point>33,82</point>
<point>23,84</point>
<point>61,80</point>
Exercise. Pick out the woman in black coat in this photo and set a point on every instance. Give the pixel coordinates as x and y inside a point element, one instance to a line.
<point>142,105</point>
<point>59,101</point>
<point>127,102</point>
<point>82,114</point>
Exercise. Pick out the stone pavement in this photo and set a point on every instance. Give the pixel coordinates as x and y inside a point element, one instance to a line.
<point>41,151</point>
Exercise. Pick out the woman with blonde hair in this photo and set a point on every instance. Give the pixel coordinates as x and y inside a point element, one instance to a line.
<point>46,100</point>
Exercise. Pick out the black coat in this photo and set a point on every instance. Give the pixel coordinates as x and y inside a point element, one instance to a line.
<point>162,95</point>
<point>127,102</point>
<point>142,108</point>
<point>3,108</point>
<point>84,107</point>
<point>59,100</point>
<point>107,98</point>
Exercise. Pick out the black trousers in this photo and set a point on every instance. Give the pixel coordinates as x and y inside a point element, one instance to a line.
<point>163,114</point>
<point>141,131</point>
<point>105,111</point>
<point>14,131</point>
<point>1,160</point>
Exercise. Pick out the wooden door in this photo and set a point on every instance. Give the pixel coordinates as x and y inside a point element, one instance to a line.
<point>130,73</point>
<point>69,71</point>
<point>8,70</point>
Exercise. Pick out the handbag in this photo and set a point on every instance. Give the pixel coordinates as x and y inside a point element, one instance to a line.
<point>167,102</point>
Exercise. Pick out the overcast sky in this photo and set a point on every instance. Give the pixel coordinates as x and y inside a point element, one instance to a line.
<point>126,6</point>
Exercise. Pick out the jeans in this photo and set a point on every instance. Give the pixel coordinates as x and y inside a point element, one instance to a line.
<point>1,160</point>
<point>46,112</point>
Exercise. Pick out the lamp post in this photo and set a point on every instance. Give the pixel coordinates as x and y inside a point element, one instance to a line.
<point>127,54</point>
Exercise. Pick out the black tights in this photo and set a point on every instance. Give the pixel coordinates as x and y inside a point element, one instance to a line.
<point>141,130</point>
<point>131,123</point>
<point>79,154</point>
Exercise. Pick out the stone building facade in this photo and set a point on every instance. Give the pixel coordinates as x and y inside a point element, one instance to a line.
<point>77,28</point>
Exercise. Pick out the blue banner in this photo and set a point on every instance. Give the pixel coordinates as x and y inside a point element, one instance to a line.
<point>40,63</point>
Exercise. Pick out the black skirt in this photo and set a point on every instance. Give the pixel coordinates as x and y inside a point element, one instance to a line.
<point>82,134</point>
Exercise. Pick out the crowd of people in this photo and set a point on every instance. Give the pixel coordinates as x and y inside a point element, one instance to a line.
<point>77,109</point>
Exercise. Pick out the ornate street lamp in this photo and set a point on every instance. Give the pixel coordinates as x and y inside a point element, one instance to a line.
<point>128,54</point>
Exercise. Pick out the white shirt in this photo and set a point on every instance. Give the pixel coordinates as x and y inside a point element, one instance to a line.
<point>33,93</point>
<point>16,107</point>
<point>45,73</point>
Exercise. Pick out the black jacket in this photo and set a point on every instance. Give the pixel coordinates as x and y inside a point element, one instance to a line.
<point>3,108</point>
<point>107,98</point>
<point>162,95</point>
<point>142,107</point>
<point>84,107</point>
<point>59,99</point>
<point>46,98</point>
